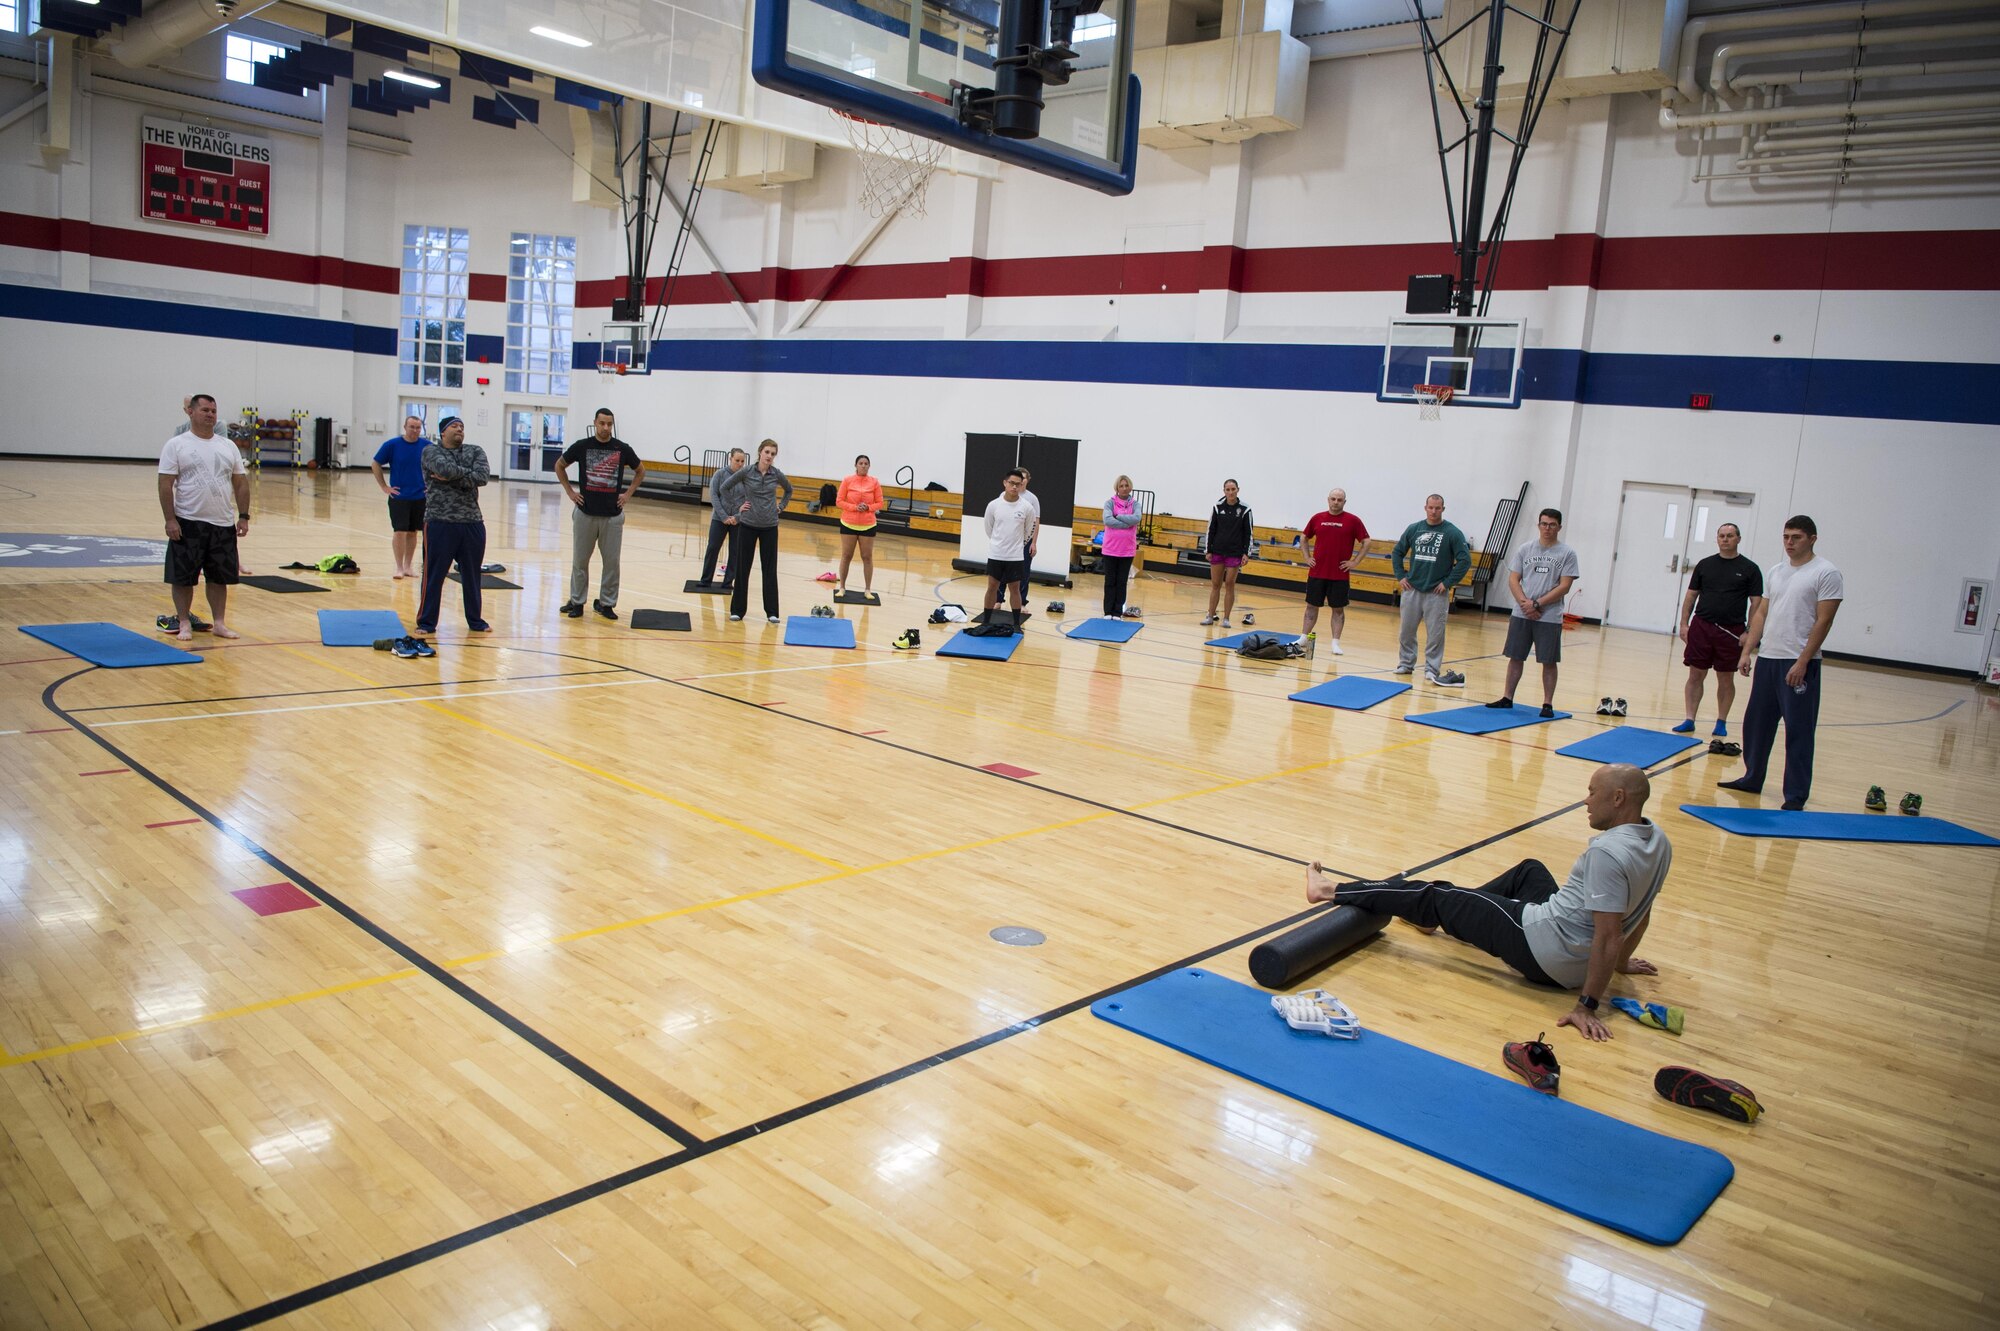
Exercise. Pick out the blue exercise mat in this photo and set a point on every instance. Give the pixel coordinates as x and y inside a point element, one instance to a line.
<point>811,631</point>
<point>1803,826</point>
<point>1629,744</point>
<point>358,628</point>
<point>109,645</point>
<point>984,649</point>
<point>1235,640</point>
<point>1105,630</point>
<point>1479,720</point>
<point>1354,693</point>
<point>1576,1159</point>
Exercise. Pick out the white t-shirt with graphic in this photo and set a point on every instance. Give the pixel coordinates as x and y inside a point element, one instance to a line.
<point>202,470</point>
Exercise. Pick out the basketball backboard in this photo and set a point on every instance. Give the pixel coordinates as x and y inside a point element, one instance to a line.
<point>1479,359</point>
<point>925,65</point>
<point>622,348</point>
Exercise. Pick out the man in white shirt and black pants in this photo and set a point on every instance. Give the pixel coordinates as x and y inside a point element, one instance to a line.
<point>1011,523</point>
<point>205,498</point>
<point>1802,595</point>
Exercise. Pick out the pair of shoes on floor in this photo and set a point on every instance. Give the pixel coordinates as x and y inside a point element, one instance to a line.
<point>1535,1063</point>
<point>407,648</point>
<point>909,640</point>
<point>1450,679</point>
<point>1718,1095</point>
<point>574,609</point>
<point>1727,748</point>
<point>1912,803</point>
<point>172,623</point>
<point>604,610</point>
<point>823,612</point>
<point>1618,707</point>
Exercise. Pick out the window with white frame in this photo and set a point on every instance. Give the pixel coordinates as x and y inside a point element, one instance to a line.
<point>10,16</point>
<point>242,55</point>
<point>541,306</point>
<point>430,337</point>
<point>1092,27</point>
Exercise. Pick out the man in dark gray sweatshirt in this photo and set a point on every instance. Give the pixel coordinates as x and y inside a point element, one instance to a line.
<point>721,522</point>
<point>752,494</point>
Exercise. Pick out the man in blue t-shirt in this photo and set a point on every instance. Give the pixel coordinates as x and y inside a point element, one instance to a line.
<point>404,485</point>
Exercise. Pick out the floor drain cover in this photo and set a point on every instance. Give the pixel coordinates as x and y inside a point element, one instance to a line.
<point>1013,935</point>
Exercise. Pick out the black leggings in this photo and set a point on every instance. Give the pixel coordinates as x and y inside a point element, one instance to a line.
<point>1117,574</point>
<point>1487,917</point>
<point>751,541</point>
<point>718,532</point>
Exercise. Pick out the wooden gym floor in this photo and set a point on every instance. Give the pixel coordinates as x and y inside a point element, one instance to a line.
<point>645,979</point>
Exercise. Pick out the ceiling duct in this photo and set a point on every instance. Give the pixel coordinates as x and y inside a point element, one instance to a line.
<point>172,24</point>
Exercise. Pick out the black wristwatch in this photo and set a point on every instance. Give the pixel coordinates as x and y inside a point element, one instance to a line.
<point>1586,1002</point>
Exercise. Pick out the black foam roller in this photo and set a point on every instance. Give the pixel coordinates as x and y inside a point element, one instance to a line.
<point>1281,962</point>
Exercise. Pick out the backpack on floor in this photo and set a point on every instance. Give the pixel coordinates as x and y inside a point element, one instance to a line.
<point>1263,647</point>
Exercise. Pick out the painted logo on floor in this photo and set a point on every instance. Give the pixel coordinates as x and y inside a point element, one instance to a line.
<point>42,550</point>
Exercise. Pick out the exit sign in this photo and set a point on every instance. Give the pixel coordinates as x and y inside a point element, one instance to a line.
<point>1700,401</point>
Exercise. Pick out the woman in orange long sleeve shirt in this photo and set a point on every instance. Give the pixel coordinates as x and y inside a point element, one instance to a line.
<point>859,500</point>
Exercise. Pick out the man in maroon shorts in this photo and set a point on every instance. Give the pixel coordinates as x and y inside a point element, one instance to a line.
<point>1714,613</point>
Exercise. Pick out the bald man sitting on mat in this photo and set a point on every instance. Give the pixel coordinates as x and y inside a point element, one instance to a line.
<point>1573,935</point>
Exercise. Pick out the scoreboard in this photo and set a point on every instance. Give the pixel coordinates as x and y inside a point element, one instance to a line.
<point>205,176</point>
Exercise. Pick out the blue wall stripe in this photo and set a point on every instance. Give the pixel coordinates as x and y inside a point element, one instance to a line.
<point>1958,393</point>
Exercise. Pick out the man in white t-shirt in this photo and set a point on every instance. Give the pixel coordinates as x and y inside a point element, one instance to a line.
<point>1571,935</point>
<point>205,498</point>
<point>1801,597</point>
<point>1010,532</point>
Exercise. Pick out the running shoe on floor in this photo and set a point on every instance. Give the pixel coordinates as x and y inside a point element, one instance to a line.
<point>1878,799</point>
<point>1912,804</point>
<point>1698,1090</point>
<point>1450,679</point>
<point>1535,1063</point>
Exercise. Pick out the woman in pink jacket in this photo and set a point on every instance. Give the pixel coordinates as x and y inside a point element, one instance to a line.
<point>1121,543</point>
<point>859,500</point>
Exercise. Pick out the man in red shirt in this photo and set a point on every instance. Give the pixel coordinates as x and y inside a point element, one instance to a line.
<point>1334,540</point>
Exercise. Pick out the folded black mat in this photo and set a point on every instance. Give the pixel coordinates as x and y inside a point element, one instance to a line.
<point>270,582</point>
<point>706,588</point>
<point>857,598</point>
<point>489,583</point>
<point>676,621</point>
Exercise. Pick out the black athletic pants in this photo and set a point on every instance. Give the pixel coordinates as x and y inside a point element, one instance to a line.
<point>1487,917</point>
<point>751,541</point>
<point>1771,701</point>
<point>445,544</point>
<point>718,532</point>
<point>1117,575</point>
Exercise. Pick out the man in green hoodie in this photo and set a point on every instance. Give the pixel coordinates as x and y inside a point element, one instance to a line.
<point>1429,559</point>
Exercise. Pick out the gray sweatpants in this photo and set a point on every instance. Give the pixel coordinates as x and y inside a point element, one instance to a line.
<point>1430,608</point>
<point>603,534</point>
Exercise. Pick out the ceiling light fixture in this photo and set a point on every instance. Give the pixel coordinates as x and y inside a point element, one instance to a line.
<point>411,76</point>
<point>556,35</point>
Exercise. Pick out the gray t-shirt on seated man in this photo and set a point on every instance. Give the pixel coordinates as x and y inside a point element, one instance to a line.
<point>1541,567</point>
<point>1620,871</point>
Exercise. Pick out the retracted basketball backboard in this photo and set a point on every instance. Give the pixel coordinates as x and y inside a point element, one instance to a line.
<point>1478,359</point>
<point>947,70</point>
<point>622,348</point>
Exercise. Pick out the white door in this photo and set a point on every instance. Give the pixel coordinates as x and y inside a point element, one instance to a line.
<point>533,444</point>
<point>1663,531</point>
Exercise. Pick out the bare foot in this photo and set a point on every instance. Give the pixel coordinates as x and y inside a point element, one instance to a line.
<point>184,633</point>
<point>1318,886</point>
<point>222,630</point>
<point>397,574</point>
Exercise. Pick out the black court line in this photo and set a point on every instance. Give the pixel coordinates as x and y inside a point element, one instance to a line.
<point>562,1057</point>
<point>359,688</point>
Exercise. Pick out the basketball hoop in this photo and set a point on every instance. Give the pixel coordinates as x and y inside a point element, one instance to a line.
<point>613,367</point>
<point>1432,398</point>
<point>896,165</point>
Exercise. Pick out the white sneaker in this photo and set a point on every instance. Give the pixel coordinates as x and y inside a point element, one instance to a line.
<point>734,619</point>
<point>1207,620</point>
<point>1336,648</point>
<point>771,619</point>
<point>1223,622</point>
<point>1405,670</point>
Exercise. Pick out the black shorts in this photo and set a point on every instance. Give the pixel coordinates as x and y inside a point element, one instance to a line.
<point>1327,591</point>
<point>406,515</point>
<point>1007,570</point>
<point>204,550</point>
<point>1545,633</point>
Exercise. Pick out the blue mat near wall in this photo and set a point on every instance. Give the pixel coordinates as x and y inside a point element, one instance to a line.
<point>109,645</point>
<point>1353,693</point>
<point>1802,826</point>
<point>1578,1160</point>
<point>1480,720</point>
<point>981,649</point>
<point>358,628</point>
<point>818,631</point>
<point>1105,630</point>
<point>1629,744</point>
<point>1235,640</point>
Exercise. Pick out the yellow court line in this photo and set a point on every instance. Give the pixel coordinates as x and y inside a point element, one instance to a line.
<point>1279,776</point>
<point>599,772</point>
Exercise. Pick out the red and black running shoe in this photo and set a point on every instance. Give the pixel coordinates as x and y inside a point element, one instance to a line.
<point>1698,1090</point>
<point>1534,1063</point>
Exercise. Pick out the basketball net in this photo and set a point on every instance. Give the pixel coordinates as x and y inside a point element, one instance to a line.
<point>896,165</point>
<point>1431,399</point>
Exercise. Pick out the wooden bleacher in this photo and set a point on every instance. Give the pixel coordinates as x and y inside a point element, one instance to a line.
<point>929,513</point>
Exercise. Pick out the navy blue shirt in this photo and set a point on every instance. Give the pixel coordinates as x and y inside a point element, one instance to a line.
<point>406,466</point>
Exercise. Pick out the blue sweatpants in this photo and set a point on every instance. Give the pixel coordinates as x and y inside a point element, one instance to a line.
<point>1771,701</point>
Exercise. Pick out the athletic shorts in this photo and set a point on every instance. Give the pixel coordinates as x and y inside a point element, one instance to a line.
<point>1225,561</point>
<point>1007,570</point>
<point>203,551</point>
<point>1711,646</point>
<point>846,530</point>
<point>406,515</point>
<point>1327,591</point>
<point>1545,633</point>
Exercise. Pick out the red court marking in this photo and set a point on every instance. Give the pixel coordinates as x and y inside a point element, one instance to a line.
<point>52,730</point>
<point>274,898</point>
<point>178,822</point>
<point>109,771</point>
<point>779,703</point>
<point>1008,769</point>
<point>874,732</point>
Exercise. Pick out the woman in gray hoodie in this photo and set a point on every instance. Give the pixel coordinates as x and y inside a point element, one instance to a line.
<point>751,493</point>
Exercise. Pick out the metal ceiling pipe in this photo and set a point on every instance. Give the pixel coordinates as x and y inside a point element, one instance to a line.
<point>1879,155</point>
<point>172,24</point>
<point>1806,16</point>
<point>1718,71</point>
<point>1770,143</point>
<point>1982,164</point>
<point>1852,110</point>
<point>1858,73</point>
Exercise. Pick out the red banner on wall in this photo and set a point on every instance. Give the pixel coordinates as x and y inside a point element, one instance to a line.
<point>204,176</point>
